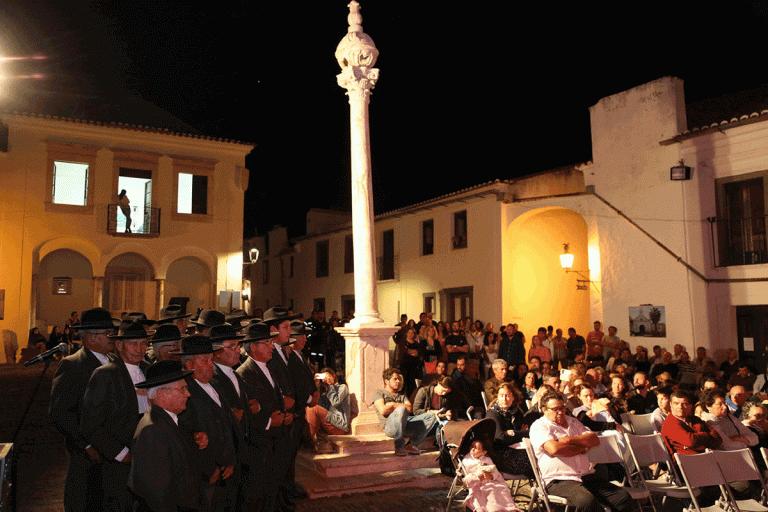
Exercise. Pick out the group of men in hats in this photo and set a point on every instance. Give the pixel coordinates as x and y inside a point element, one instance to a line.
<point>209,421</point>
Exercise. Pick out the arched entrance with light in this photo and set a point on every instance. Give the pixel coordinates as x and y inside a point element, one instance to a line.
<point>189,277</point>
<point>64,284</point>
<point>129,285</point>
<point>537,291</point>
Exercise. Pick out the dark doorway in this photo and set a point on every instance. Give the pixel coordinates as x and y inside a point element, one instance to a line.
<point>752,331</point>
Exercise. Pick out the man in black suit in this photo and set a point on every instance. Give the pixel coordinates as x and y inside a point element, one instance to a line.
<point>209,413</point>
<point>300,370</point>
<point>82,487</point>
<point>267,436</point>
<point>111,410</point>
<point>279,321</point>
<point>232,390</point>
<point>162,476</point>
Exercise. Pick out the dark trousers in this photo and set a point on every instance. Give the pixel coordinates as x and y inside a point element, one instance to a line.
<point>589,494</point>
<point>82,487</point>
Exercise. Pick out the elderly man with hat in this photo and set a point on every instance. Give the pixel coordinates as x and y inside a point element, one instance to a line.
<point>207,319</point>
<point>209,413</point>
<point>232,389</point>
<point>111,410</point>
<point>165,340</point>
<point>302,373</point>
<point>162,477</point>
<point>267,434</point>
<point>279,321</point>
<point>174,314</point>
<point>82,487</point>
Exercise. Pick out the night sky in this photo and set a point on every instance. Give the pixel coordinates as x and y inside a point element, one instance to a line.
<point>468,93</point>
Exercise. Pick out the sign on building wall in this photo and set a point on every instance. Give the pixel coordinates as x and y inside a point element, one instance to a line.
<point>2,304</point>
<point>647,321</point>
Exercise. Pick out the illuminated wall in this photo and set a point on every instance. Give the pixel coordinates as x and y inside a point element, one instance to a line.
<point>537,291</point>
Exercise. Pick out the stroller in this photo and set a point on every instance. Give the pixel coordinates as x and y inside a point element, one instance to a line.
<point>457,437</point>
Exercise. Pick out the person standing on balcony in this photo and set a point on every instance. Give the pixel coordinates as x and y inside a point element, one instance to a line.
<point>125,206</point>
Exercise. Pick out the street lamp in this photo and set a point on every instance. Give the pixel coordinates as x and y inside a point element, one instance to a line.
<point>566,261</point>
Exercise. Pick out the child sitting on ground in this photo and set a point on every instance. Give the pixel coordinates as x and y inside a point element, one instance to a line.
<point>488,492</point>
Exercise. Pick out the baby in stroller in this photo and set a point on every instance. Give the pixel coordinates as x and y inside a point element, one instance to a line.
<point>488,492</point>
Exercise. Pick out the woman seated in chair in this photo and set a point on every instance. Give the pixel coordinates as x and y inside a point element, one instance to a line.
<point>735,434</point>
<point>511,428</point>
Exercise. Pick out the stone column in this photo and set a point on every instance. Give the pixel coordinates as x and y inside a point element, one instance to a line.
<point>98,291</point>
<point>356,54</point>
<point>367,337</point>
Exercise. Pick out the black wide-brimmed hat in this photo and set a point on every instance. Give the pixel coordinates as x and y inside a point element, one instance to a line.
<point>165,333</point>
<point>196,344</point>
<point>131,330</point>
<point>139,317</point>
<point>257,332</point>
<point>95,319</point>
<point>209,318</point>
<point>236,316</point>
<point>299,328</point>
<point>163,372</point>
<point>170,313</point>
<point>224,332</point>
<point>276,315</point>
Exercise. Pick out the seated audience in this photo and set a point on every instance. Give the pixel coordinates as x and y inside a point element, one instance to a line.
<point>734,433</point>
<point>743,377</point>
<point>499,375</point>
<point>440,399</point>
<point>663,410</point>
<point>642,400</point>
<point>561,444</point>
<point>529,385</point>
<point>487,489</point>
<point>508,414</point>
<point>332,412</point>
<point>395,419</point>
<point>594,413</point>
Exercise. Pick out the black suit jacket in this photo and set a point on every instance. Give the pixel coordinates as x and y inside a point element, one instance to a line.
<point>270,399</point>
<point>303,381</point>
<point>110,409</point>
<point>203,414</point>
<point>67,392</point>
<point>230,396</point>
<point>164,458</point>
<point>279,370</point>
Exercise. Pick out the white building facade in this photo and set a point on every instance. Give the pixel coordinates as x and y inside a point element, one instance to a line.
<point>695,247</point>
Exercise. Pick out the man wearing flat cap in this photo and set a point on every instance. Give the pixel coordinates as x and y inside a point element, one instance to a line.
<point>267,436</point>
<point>162,477</point>
<point>111,410</point>
<point>82,487</point>
<point>208,412</point>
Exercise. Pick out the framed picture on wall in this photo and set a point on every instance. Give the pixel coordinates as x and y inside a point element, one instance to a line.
<point>647,321</point>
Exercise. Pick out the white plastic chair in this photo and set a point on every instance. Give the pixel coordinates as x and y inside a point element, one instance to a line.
<point>700,470</point>
<point>641,424</point>
<point>609,452</point>
<point>740,466</point>
<point>538,490</point>
<point>646,451</point>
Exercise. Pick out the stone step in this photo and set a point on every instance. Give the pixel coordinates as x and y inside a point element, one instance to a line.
<point>340,465</point>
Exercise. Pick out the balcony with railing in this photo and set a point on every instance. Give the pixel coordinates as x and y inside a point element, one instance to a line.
<point>144,221</point>
<point>740,241</point>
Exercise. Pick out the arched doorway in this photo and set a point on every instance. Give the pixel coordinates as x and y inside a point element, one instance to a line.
<point>129,285</point>
<point>537,291</point>
<point>64,284</point>
<point>189,277</point>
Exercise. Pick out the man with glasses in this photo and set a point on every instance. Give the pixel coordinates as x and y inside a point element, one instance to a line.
<point>82,487</point>
<point>560,443</point>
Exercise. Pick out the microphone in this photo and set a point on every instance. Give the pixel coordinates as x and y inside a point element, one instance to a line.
<point>48,354</point>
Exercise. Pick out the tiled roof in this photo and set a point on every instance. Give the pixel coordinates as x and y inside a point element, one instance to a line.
<point>728,110</point>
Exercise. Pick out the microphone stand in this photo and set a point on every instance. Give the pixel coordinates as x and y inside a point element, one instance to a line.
<point>31,400</point>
